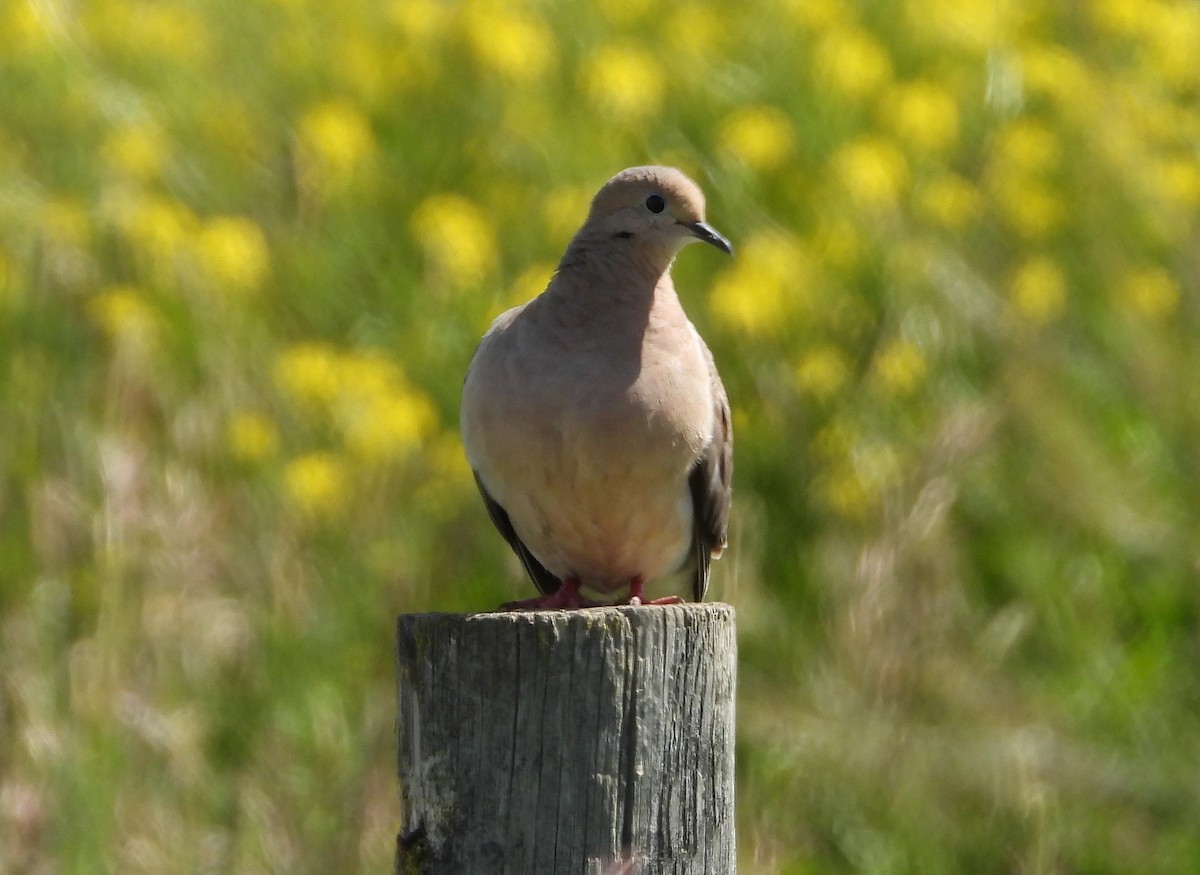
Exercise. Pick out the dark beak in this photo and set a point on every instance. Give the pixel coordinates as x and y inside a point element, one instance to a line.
<point>709,234</point>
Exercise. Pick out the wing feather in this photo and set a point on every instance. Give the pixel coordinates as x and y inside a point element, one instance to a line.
<point>711,482</point>
<point>542,579</point>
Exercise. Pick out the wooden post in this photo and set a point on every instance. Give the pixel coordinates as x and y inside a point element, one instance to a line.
<point>593,742</point>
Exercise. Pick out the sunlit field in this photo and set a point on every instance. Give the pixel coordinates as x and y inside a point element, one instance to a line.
<point>246,250</point>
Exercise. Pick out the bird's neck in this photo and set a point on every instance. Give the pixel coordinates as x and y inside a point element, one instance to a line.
<point>617,270</point>
<point>608,297</point>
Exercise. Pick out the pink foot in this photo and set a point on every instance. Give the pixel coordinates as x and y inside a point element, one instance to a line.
<point>566,598</point>
<point>637,595</point>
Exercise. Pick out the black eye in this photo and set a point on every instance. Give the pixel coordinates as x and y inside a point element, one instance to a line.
<point>655,203</point>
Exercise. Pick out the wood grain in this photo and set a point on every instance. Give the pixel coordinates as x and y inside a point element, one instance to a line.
<point>596,741</point>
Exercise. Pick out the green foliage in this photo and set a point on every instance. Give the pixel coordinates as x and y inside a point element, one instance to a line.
<point>246,250</point>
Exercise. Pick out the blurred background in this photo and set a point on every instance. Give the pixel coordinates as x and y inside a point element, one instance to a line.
<point>247,248</point>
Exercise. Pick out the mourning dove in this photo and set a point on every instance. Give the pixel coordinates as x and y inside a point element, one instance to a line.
<point>593,416</point>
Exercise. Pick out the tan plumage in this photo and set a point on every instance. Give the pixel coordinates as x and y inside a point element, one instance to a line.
<point>594,417</point>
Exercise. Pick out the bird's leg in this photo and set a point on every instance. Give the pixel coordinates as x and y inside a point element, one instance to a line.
<point>637,594</point>
<point>566,598</point>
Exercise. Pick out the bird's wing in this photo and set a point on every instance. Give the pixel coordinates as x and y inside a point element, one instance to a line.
<point>711,482</point>
<point>542,579</point>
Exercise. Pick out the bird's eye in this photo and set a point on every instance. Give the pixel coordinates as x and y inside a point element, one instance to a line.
<point>655,203</point>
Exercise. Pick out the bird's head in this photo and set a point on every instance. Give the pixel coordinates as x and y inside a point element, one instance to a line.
<point>654,209</point>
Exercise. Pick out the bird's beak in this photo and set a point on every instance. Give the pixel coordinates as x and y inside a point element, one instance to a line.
<point>709,234</point>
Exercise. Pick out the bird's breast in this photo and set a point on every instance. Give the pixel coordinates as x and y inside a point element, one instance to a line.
<point>590,454</point>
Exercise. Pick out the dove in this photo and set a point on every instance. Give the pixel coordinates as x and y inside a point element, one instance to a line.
<point>593,416</point>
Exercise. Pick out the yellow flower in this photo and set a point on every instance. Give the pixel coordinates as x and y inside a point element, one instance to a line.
<point>388,426</point>
<point>968,24</point>
<point>457,237</point>
<point>178,32</point>
<point>1173,37</point>
<point>758,136</point>
<point>844,492</point>
<point>308,374</point>
<point>1030,207</point>
<point>747,299</point>
<point>139,151</point>
<point>252,436</point>
<point>157,228</point>
<point>164,32</point>
<point>873,171</point>
<point>363,393</point>
<point>1156,122</point>
<point>1055,72</point>
<point>169,31</point>
<point>361,64</point>
<point>365,374</point>
<point>126,317</point>
<point>1149,292</point>
<point>769,283</point>
<point>28,28</point>
<point>949,201</point>
<point>624,80</point>
<point>694,33</point>
<point>1026,146</point>
<point>334,144</point>
<point>1124,17</point>
<point>1022,153</point>
<point>851,62</point>
<point>822,372</point>
<point>924,115</point>
<point>784,258</point>
<point>1039,290</point>
<point>420,21</point>
<point>234,253</point>
<point>316,484</point>
<point>509,41</point>
<point>899,367</point>
<point>858,473</point>
<point>1177,180</point>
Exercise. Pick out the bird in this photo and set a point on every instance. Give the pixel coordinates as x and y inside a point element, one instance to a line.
<point>593,416</point>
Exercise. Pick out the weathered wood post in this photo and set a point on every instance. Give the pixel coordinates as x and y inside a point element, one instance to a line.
<point>590,742</point>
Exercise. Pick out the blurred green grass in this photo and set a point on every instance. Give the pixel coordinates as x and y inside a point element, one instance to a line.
<point>246,250</point>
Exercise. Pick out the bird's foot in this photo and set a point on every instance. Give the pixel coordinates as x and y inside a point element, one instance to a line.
<point>637,595</point>
<point>566,598</point>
